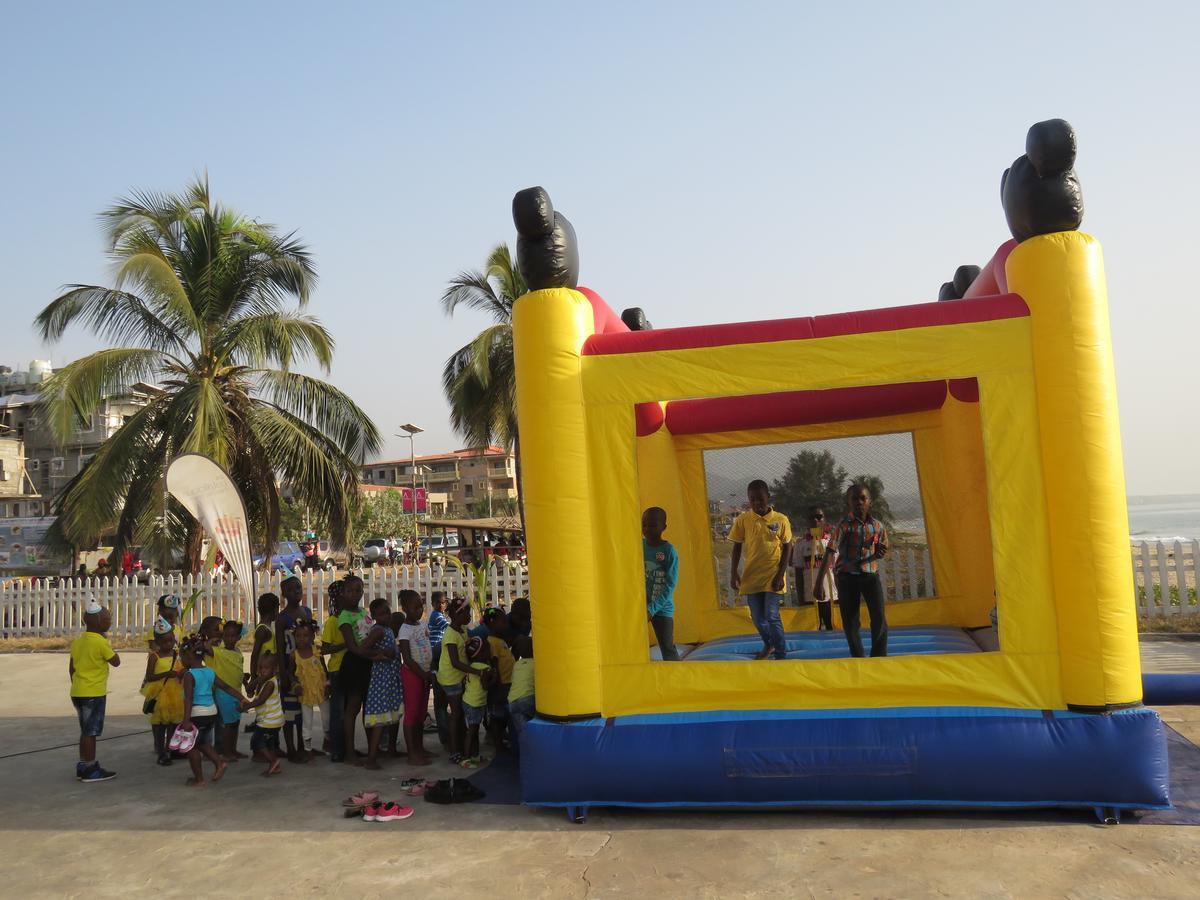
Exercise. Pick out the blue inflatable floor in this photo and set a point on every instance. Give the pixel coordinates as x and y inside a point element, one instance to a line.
<point>902,641</point>
<point>912,757</point>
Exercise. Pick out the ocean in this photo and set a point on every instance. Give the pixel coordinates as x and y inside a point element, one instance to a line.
<point>1151,518</point>
<point>1164,518</point>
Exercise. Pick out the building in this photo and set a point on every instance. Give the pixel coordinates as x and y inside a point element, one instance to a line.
<point>18,496</point>
<point>435,502</point>
<point>475,480</point>
<point>48,465</point>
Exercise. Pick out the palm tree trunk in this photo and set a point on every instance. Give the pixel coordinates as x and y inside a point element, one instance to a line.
<point>193,547</point>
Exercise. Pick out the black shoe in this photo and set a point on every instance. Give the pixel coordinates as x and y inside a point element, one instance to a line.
<point>164,759</point>
<point>95,773</point>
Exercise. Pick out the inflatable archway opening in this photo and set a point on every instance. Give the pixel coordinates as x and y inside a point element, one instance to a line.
<point>1010,398</point>
<point>938,421</point>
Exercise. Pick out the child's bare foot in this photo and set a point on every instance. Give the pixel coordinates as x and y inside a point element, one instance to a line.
<point>196,782</point>
<point>764,653</point>
<point>220,773</point>
<point>274,769</point>
<point>372,764</point>
<point>419,760</point>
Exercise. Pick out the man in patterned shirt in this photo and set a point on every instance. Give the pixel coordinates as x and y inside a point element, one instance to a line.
<point>859,542</point>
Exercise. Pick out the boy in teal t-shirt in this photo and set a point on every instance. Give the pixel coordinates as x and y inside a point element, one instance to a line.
<point>662,574</point>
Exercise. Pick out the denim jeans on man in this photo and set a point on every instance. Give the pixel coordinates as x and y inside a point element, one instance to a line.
<point>764,612</point>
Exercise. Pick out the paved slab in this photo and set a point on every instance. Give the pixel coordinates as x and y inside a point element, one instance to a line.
<point>145,832</point>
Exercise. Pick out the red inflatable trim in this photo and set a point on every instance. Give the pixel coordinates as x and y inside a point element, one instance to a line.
<point>604,320</point>
<point>789,408</point>
<point>649,416</point>
<point>965,390</point>
<point>992,279</point>
<point>894,318</point>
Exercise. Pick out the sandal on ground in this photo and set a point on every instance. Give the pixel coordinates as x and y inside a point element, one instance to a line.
<point>362,798</point>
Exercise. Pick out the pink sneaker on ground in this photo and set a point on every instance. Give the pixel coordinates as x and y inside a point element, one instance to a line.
<point>371,811</point>
<point>391,812</point>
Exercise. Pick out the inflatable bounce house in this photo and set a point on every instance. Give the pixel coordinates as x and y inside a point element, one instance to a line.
<point>1008,390</point>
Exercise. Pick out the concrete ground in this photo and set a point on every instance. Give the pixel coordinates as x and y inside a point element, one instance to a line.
<point>146,832</point>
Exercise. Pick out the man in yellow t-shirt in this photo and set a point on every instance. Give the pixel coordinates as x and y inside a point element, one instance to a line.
<point>762,539</point>
<point>91,656</point>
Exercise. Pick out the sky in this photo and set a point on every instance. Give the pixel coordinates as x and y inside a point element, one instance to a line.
<point>720,162</point>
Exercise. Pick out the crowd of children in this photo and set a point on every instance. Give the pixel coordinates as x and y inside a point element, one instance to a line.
<point>308,698</point>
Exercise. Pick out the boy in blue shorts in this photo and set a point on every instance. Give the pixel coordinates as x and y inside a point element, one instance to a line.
<point>662,574</point>
<point>91,657</point>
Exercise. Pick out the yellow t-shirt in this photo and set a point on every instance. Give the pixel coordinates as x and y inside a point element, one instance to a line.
<point>332,634</point>
<point>504,657</point>
<point>474,693</point>
<point>763,539</point>
<point>229,665</point>
<point>90,653</point>
<point>522,680</point>
<point>447,674</point>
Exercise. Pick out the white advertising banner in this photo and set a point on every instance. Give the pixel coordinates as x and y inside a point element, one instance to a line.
<point>208,494</point>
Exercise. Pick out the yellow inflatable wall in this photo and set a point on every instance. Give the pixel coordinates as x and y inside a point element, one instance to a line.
<point>1006,483</point>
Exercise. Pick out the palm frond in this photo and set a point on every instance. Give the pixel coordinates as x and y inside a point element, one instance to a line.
<point>277,338</point>
<point>92,501</point>
<point>314,467</point>
<point>75,391</point>
<point>324,407</point>
<point>115,315</point>
<point>505,274</point>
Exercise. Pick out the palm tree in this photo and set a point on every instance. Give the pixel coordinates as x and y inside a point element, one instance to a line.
<point>198,307</point>
<point>479,379</point>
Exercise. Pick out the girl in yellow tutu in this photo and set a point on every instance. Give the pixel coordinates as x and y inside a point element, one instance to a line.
<point>163,689</point>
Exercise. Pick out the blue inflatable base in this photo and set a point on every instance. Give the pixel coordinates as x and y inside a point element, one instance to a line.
<point>863,758</point>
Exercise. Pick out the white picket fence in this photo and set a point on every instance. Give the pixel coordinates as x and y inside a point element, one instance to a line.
<point>1164,574</point>
<point>1164,577</point>
<point>41,611</point>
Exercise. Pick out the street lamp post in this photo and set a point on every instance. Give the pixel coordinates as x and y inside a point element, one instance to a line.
<point>412,431</point>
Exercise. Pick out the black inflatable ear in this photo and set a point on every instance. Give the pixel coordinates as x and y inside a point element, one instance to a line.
<point>547,252</point>
<point>1040,191</point>
<point>964,277</point>
<point>635,319</point>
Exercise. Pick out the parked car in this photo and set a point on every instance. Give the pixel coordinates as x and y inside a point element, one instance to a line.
<point>375,552</point>
<point>435,544</point>
<point>331,558</point>
<point>287,558</point>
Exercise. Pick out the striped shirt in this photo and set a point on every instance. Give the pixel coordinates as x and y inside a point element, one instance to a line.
<point>437,627</point>
<point>270,714</point>
<point>860,544</point>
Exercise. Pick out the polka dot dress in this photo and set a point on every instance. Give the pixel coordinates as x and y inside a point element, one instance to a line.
<point>383,702</point>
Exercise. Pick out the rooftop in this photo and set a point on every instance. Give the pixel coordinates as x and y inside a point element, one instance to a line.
<point>466,453</point>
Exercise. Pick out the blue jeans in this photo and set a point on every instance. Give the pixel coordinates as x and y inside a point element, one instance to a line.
<point>764,612</point>
<point>91,715</point>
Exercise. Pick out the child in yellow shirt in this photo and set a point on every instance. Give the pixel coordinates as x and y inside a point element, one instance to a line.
<point>475,696</point>
<point>762,538</point>
<point>163,689</point>
<point>91,657</point>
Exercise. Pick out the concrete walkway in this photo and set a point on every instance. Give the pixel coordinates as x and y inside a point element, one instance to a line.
<point>146,832</point>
